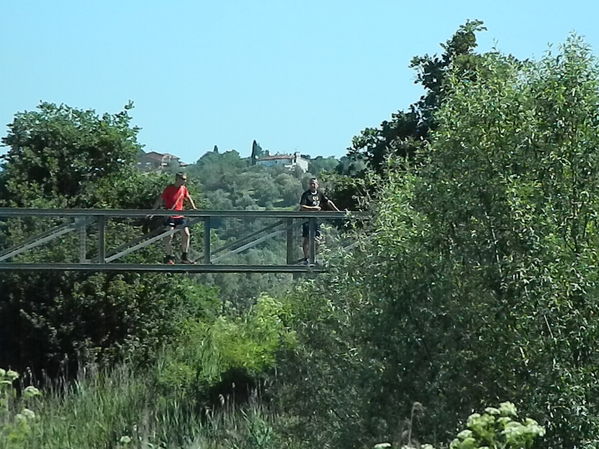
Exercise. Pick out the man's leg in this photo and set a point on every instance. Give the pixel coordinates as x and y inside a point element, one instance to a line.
<point>168,247</point>
<point>306,247</point>
<point>185,239</point>
<point>306,241</point>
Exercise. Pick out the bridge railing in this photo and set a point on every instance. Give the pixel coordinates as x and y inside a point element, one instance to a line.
<point>92,225</point>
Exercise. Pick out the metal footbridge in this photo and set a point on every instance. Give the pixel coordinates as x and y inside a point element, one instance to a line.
<point>100,240</point>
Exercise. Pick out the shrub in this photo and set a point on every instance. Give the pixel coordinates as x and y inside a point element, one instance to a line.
<point>215,355</point>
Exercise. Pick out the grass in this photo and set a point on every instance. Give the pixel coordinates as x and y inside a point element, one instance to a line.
<point>120,408</point>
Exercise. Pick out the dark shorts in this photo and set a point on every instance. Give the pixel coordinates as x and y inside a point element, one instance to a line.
<point>176,222</point>
<point>306,230</point>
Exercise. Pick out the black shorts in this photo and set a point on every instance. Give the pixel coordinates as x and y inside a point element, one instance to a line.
<point>306,230</point>
<point>176,222</point>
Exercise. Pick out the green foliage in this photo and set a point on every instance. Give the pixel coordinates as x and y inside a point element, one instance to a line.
<point>352,192</point>
<point>75,318</point>
<point>408,131</point>
<point>61,152</point>
<point>208,350</point>
<point>322,164</point>
<point>477,280</point>
<point>214,170</point>
<point>289,188</point>
<point>63,157</point>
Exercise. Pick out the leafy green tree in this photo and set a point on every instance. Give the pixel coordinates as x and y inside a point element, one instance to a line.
<point>350,166</point>
<point>64,157</point>
<point>257,152</point>
<point>62,152</point>
<point>477,279</point>
<point>215,170</point>
<point>289,188</point>
<point>320,164</point>
<point>219,199</point>
<point>407,131</point>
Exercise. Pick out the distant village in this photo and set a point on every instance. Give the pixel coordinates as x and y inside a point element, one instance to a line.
<point>156,162</point>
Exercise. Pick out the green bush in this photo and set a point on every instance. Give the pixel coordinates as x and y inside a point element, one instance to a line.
<point>59,321</point>
<point>208,350</point>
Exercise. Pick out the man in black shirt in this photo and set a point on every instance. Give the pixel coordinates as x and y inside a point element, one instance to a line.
<point>313,200</point>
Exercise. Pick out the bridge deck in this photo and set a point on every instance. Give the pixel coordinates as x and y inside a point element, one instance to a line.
<point>177,268</point>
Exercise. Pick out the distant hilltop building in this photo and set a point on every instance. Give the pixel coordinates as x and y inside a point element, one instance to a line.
<point>154,161</point>
<point>289,161</point>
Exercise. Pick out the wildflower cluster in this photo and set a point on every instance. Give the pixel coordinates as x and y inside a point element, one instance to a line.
<point>15,416</point>
<point>497,428</point>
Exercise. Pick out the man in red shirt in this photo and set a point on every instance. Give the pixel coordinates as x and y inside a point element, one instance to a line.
<point>173,197</point>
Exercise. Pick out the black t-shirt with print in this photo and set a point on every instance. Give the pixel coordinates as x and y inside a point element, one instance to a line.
<point>312,199</point>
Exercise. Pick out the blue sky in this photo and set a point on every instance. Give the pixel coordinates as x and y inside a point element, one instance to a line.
<point>294,75</point>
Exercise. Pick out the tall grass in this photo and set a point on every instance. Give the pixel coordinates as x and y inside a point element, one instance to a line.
<point>121,408</point>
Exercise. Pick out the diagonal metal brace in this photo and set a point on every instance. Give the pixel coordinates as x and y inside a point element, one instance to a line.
<point>144,241</point>
<point>248,245</point>
<point>42,238</point>
<point>242,240</point>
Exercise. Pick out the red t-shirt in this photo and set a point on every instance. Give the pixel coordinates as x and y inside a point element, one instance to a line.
<point>174,197</point>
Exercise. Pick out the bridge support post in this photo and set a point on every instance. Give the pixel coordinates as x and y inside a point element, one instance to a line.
<point>207,255</point>
<point>101,239</point>
<point>290,242</point>
<point>82,223</point>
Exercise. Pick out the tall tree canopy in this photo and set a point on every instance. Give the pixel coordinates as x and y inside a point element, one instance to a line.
<point>407,131</point>
<point>478,280</point>
<point>58,151</point>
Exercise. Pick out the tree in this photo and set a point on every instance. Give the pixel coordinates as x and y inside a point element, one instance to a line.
<point>64,157</point>
<point>62,152</point>
<point>407,131</point>
<point>320,164</point>
<point>290,189</point>
<point>477,279</point>
<point>215,170</point>
<point>257,152</point>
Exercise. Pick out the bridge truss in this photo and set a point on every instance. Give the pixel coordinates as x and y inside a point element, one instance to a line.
<point>90,239</point>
